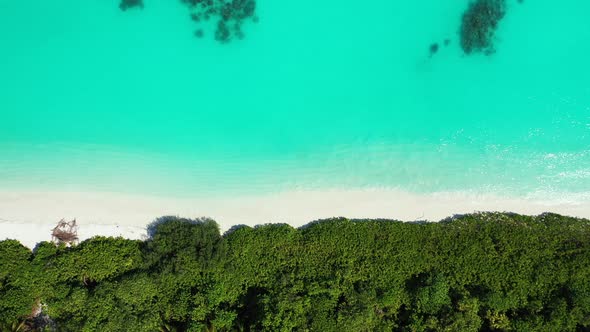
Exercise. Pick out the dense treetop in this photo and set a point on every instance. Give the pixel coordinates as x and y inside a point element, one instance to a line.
<point>489,272</point>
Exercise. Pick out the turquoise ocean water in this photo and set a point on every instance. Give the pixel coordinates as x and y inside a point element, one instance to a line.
<point>319,94</point>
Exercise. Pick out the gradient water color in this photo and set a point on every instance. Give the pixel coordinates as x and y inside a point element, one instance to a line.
<point>320,94</point>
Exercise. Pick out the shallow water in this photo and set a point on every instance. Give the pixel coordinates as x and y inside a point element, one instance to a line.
<point>318,95</point>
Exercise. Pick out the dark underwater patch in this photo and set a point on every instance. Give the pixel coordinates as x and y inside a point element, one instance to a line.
<point>478,25</point>
<point>126,4</point>
<point>228,14</point>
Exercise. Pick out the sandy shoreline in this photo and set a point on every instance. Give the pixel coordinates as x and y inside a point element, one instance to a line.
<point>29,216</point>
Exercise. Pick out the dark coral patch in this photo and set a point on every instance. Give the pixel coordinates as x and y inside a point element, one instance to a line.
<point>126,4</point>
<point>433,48</point>
<point>222,34</point>
<point>479,24</point>
<point>228,15</point>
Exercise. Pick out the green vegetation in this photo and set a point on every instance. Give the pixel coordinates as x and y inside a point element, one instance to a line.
<point>490,272</point>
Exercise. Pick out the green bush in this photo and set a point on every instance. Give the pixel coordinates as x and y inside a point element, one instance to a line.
<point>487,271</point>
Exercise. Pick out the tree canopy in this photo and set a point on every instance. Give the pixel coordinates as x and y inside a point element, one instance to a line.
<point>487,271</point>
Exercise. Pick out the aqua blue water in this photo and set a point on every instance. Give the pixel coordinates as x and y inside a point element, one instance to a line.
<point>319,94</point>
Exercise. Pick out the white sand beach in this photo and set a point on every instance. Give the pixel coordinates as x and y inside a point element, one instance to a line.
<point>30,216</point>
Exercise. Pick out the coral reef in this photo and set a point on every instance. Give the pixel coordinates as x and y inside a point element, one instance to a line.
<point>433,48</point>
<point>478,25</point>
<point>230,15</point>
<point>126,4</point>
